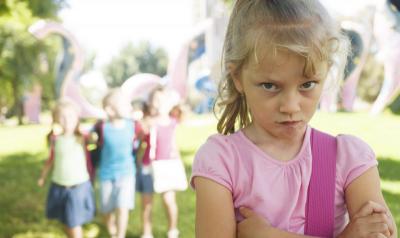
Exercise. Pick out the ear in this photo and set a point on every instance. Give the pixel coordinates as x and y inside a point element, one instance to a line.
<point>232,69</point>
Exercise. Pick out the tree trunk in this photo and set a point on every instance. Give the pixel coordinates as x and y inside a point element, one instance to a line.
<point>19,112</point>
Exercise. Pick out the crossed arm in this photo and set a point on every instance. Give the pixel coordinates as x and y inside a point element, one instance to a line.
<point>367,209</point>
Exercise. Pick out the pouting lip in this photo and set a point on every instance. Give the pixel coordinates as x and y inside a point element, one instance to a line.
<point>289,122</point>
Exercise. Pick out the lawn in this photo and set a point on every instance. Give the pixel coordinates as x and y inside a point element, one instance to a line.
<point>23,150</point>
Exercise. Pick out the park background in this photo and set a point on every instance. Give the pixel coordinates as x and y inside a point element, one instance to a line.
<point>137,35</point>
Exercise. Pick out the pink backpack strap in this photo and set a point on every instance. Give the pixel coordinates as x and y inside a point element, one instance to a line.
<point>320,217</point>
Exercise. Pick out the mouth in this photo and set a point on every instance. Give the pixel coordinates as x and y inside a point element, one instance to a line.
<point>290,123</point>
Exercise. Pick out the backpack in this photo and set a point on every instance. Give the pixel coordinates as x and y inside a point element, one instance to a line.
<point>95,153</point>
<point>320,205</point>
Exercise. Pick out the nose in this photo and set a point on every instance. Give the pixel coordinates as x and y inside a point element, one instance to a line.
<point>290,102</point>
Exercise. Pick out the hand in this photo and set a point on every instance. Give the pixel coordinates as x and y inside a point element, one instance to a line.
<point>370,221</point>
<point>253,225</point>
<point>40,182</point>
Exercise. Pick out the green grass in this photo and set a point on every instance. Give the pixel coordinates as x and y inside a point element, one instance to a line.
<point>23,150</point>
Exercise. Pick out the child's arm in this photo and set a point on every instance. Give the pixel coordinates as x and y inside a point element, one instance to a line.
<point>45,171</point>
<point>49,163</point>
<point>215,216</point>
<point>255,226</point>
<point>358,195</point>
<point>366,217</point>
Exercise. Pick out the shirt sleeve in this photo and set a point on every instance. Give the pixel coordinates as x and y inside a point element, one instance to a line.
<point>355,157</point>
<point>215,160</point>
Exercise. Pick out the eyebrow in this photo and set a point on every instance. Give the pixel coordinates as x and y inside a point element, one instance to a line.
<point>303,79</point>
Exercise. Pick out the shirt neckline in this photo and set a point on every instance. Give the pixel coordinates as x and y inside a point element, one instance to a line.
<point>301,154</point>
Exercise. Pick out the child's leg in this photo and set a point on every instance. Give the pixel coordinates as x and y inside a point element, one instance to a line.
<point>147,203</point>
<point>74,232</point>
<point>172,209</point>
<point>122,221</point>
<point>109,220</point>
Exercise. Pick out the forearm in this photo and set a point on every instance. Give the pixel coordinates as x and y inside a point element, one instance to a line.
<point>45,171</point>
<point>274,232</point>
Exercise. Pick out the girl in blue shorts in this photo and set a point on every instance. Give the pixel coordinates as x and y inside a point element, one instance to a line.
<point>116,171</point>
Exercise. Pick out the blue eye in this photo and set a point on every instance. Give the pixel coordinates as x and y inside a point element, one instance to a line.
<point>270,87</point>
<point>308,85</point>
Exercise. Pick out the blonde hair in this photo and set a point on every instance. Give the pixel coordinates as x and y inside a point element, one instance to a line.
<point>111,98</point>
<point>62,105</point>
<point>256,27</point>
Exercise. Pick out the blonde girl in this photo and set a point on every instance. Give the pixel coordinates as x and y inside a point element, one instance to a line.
<point>252,179</point>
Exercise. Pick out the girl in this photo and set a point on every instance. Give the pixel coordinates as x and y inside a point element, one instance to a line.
<point>144,179</point>
<point>116,170</point>
<point>253,180</point>
<point>160,123</point>
<point>70,198</point>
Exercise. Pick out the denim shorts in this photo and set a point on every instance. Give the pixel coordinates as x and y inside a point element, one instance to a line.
<point>117,193</point>
<point>73,206</point>
<point>144,180</point>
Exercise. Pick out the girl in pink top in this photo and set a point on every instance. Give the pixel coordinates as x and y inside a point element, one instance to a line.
<point>160,122</point>
<point>252,180</point>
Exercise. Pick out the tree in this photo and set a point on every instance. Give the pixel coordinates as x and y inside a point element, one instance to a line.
<point>132,60</point>
<point>20,61</point>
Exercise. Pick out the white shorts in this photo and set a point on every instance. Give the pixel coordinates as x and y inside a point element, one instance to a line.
<point>117,193</point>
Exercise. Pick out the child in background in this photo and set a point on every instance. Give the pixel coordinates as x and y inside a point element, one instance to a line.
<point>163,116</point>
<point>117,163</point>
<point>252,180</point>
<point>70,199</point>
<point>144,178</point>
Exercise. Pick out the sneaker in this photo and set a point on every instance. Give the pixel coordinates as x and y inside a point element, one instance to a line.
<point>174,233</point>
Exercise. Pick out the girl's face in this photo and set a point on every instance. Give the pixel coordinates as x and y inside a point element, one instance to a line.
<point>161,102</point>
<point>118,107</point>
<point>280,98</point>
<point>68,120</point>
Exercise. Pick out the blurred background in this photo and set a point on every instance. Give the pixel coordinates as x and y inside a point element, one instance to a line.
<point>81,48</point>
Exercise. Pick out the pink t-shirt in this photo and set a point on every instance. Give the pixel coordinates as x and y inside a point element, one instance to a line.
<point>275,189</point>
<point>166,147</point>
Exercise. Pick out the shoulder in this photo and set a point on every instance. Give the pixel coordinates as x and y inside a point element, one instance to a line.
<point>216,144</point>
<point>354,158</point>
<point>351,145</point>
<point>217,153</point>
<point>216,160</point>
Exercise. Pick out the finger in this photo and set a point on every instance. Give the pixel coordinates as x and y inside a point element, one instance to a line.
<point>376,235</point>
<point>390,223</point>
<point>245,212</point>
<point>376,218</point>
<point>370,207</point>
<point>378,228</point>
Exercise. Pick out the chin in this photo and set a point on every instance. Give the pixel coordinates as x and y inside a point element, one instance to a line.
<point>293,131</point>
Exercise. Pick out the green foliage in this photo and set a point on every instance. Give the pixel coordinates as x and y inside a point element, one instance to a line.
<point>21,55</point>
<point>38,8</point>
<point>135,59</point>
<point>45,8</point>
<point>395,105</point>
